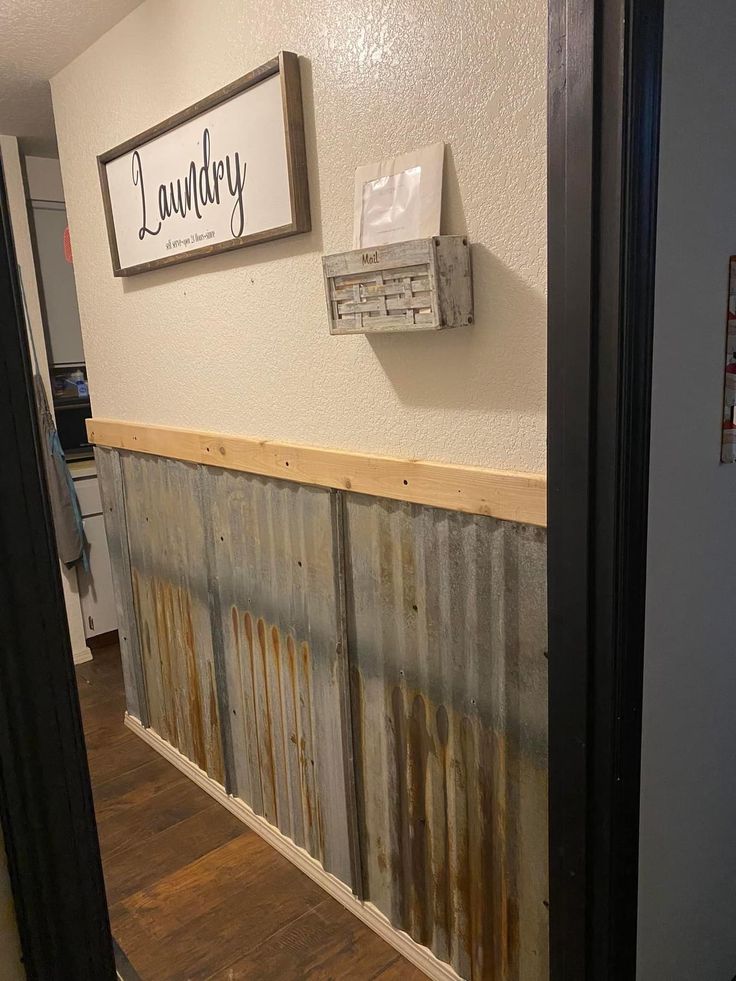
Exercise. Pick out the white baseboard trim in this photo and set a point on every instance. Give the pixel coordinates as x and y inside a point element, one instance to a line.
<point>81,657</point>
<point>420,956</point>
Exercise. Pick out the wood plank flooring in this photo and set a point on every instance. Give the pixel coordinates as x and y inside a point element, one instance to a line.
<point>193,893</point>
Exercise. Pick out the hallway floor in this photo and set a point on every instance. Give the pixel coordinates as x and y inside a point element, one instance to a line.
<point>193,893</point>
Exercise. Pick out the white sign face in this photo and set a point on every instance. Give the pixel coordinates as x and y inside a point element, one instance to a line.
<point>216,180</point>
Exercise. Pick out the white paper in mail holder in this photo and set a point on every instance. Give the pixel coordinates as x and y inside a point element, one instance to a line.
<point>399,199</point>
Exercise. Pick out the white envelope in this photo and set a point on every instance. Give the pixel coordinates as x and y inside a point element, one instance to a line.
<point>399,199</point>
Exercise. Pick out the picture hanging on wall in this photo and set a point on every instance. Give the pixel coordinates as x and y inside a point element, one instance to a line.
<point>728,437</point>
<point>227,172</point>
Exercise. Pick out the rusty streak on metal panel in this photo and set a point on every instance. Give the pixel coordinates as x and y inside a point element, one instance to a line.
<point>253,596</point>
<point>113,504</point>
<point>340,560</point>
<point>218,641</point>
<point>447,638</point>
<point>284,653</point>
<point>171,593</point>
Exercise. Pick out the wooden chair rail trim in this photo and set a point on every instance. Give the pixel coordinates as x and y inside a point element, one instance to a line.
<point>500,494</point>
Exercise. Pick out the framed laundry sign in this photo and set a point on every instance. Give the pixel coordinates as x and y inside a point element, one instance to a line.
<point>227,172</point>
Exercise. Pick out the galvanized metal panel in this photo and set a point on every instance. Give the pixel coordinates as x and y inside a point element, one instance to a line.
<point>222,694</point>
<point>240,589</point>
<point>171,593</point>
<point>113,505</point>
<point>447,642</point>
<point>276,567</point>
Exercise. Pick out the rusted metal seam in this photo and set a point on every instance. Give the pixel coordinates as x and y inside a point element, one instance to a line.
<point>140,674</point>
<point>340,565</point>
<point>218,639</point>
<point>407,747</point>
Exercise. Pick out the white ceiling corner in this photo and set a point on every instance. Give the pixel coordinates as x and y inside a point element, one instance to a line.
<point>37,39</point>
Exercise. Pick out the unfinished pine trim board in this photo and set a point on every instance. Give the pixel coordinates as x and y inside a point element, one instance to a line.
<point>500,494</point>
<point>362,679</point>
<point>419,956</point>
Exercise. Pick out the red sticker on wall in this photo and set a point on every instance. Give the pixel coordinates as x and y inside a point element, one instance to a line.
<point>67,245</point>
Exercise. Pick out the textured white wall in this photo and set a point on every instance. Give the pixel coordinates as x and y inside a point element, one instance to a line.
<point>43,179</point>
<point>239,343</point>
<point>687,887</point>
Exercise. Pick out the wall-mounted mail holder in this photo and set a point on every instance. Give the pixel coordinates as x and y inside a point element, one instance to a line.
<point>425,284</point>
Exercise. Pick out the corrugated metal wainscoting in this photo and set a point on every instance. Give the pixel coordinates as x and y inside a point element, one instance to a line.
<point>447,650</point>
<point>367,675</point>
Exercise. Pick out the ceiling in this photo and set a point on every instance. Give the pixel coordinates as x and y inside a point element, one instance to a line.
<point>37,39</point>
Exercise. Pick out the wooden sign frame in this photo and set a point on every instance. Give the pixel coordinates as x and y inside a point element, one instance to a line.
<point>286,65</point>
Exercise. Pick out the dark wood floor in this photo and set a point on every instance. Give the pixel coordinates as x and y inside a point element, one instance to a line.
<point>193,893</point>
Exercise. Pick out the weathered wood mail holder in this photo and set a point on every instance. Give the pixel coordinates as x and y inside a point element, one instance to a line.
<point>421,285</point>
<point>348,653</point>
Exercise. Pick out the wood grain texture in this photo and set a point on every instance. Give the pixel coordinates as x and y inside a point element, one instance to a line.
<point>192,838</point>
<point>193,893</point>
<point>421,957</point>
<point>196,900</point>
<point>296,149</point>
<point>500,494</point>
<point>425,284</point>
<point>315,945</point>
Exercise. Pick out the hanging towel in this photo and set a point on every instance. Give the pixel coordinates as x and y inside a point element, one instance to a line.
<point>71,542</point>
<point>68,526</point>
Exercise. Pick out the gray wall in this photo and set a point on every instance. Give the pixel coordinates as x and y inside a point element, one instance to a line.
<point>687,891</point>
<point>57,282</point>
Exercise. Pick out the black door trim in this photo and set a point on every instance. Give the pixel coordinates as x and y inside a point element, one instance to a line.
<point>45,796</point>
<point>604,89</point>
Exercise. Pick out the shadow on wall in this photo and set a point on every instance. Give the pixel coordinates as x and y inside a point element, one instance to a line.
<point>285,248</point>
<point>453,212</point>
<point>454,368</point>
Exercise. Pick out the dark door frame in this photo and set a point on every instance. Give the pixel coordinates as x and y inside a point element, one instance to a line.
<point>45,796</point>
<point>604,82</point>
<point>603,115</point>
